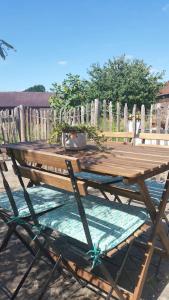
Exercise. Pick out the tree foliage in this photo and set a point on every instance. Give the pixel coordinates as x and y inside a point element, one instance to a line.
<point>4,47</point>
<point>125,80</point>
<point>36,88</point>
<point>72,92</point>
<point>120,79</point>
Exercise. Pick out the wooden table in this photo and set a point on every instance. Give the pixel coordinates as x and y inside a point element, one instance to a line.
<point>131,162</point>
<point>135,164</point>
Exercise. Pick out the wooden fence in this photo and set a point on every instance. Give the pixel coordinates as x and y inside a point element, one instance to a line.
<point>29,124</point>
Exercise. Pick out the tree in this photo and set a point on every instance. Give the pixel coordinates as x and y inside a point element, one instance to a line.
<point>4,47</point>
<point>71,92</point>
<point>120,79</point>
<point>124,80</point>
<point>36,88</point>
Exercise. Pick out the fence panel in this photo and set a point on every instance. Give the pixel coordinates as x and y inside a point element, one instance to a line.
<point>29,124</point>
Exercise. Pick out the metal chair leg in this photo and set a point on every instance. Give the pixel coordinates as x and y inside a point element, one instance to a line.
<point>25,275</point>
<point>49,279</point>
<point>7,237</point>
<point>120,270</point>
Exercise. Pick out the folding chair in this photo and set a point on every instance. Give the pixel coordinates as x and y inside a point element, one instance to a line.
<point>38,193</point>
<point>98,228</point>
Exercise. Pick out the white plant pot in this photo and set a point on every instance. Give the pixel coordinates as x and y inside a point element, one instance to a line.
<point>74,141</point>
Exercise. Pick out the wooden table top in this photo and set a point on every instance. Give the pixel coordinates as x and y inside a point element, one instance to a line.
<point>116,159</point>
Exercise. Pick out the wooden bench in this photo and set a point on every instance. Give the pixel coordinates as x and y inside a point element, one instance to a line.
<point>154,136</point>
<point>125,136</point>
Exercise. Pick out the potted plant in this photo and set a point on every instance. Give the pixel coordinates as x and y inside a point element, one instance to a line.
<point>74,137</point>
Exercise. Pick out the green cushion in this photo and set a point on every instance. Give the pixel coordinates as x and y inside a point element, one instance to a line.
<point>155,189</point>
<point>97,177</point>
<point>110,223</point>
<point>43,198</point>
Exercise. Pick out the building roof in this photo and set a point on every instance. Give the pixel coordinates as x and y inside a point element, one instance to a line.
<point>165,89</point>
<point>33,99</point>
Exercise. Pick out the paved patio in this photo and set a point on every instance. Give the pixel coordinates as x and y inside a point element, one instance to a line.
<point>16,258</point>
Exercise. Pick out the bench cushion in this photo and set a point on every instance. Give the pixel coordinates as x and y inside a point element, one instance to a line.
<point>97,178</point>
<point>155,189</point>
<point>110,223</point>
<point>43,197</point>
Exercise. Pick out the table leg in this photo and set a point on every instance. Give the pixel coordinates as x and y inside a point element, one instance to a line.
<point>156,216</point>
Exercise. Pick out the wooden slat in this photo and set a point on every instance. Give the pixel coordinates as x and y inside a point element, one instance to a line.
<point>117,134</point>
<point>119,159</point>
<point>44,158</point>
<point>98,282</point>
<point>154,136</point>
<point>137,233</point>
<point>55,180</point>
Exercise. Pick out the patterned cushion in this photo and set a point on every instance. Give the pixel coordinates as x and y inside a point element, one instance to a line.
<point>155,189</point>
<point>43,198</point>
<point>98,178</point>
<point>110,223</point>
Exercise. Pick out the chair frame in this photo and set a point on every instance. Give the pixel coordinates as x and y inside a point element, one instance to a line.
<point>110,286</point>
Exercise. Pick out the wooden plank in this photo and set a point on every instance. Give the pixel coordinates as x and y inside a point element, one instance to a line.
<point>22,124</point>
<point>134,121</point>
<point>136,234</point>
<point>110,116</point>
<point>98,282</point>
<point>151,116</point>
<point>82,114</point>
<point>102,162</point>
<point>96,113</point>
<point>59,181</point>
<point>154,136</point>
<point>142,118</point>
<point>87,113</point>
<point>104,115</point>
<point>125,117</point>
<point>44,158</point>
<point>167,127</point>
<point>118,117</point>
<point>118,134</point>
<point>130,170</point>
<point>92,113</point>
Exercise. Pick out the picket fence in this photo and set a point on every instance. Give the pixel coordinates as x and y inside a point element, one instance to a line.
<point>30,124</point>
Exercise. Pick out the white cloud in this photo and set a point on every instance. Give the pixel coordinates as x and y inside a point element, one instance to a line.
<point>165,7</point>
<point>62,62</point>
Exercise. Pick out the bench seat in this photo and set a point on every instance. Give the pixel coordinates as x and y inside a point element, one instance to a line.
<point>155,189</point>
<point>43,197</point>
<point>109,223</point>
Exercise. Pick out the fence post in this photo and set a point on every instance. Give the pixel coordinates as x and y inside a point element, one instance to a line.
<point>118,117</point>
<point>158,119</point>
<point>78,115</point>
<point>134,122</point>
<point>126,117</point>
<point>96,112</point>
<point>104,115</point>
<point>142,118</point>
<point>74,116</point>
<point>82,114</point>
<point>110,116</point>
<point>151,117</point>
<point>22,123</point>
<point>92,113</point>
<point>87,113</point>
<point>167,125</point>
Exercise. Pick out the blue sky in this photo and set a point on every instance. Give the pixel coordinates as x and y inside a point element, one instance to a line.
<point>56,37</point>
